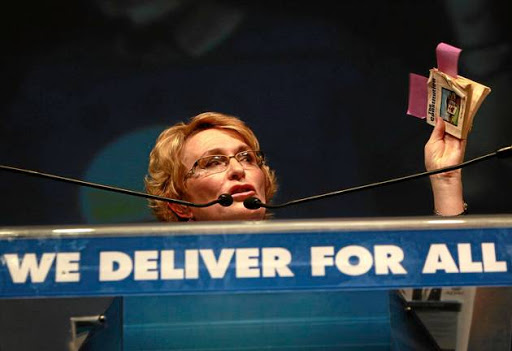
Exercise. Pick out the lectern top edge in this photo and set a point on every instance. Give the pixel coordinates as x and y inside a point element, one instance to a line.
<point>262,227</point>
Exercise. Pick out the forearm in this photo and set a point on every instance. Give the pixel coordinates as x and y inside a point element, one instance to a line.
<point>448,196</point>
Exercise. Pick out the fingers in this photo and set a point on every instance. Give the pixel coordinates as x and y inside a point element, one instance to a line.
<point>456,145</point>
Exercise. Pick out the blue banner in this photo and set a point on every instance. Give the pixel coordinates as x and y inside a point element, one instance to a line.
<point>159,264</point>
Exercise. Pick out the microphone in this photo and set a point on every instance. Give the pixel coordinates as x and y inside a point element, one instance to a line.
<point>223,199</point>
<point>253,203</point>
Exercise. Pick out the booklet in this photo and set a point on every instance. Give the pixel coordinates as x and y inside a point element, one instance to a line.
<point>455,99</point>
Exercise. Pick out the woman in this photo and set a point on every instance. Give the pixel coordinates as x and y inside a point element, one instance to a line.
<point>215,154</point>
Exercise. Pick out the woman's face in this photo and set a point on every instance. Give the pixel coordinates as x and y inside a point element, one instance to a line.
<point>235,180</point>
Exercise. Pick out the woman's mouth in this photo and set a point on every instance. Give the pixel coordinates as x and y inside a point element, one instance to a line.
<point>242,192</point>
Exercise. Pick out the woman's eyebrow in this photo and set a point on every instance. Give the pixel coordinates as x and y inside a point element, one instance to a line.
<point>216,151</point>
<point>241,148</point>
<point>220,151</point>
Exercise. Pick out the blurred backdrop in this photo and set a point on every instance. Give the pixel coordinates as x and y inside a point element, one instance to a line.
<point>88,85</point>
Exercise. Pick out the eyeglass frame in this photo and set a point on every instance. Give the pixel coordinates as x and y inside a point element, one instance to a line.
<point>260,161</point>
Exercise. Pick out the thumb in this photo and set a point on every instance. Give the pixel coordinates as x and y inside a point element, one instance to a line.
<point>438,132</point>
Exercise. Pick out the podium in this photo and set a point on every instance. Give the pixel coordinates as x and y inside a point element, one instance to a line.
<point>281,285</point>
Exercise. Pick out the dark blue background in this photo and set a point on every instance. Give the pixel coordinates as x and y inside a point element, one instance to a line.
<point>86,88</point>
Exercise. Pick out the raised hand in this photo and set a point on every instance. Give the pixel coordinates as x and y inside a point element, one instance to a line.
<point>443,150</point>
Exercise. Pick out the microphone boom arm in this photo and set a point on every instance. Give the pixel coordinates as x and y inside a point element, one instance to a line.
<point>223,199</point>
<point>254,203</point>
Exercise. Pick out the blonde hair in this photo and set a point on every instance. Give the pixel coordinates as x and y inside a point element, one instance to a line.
<point>166,172</point>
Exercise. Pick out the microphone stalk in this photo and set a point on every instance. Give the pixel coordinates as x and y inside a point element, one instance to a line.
<point>223,199</point>
<point>254,203</point>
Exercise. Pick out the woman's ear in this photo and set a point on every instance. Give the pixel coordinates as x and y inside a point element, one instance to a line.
<point>181,211</point>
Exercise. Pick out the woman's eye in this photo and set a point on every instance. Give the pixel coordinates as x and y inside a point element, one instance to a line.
<point>214,161</point>
<point>246,157</point>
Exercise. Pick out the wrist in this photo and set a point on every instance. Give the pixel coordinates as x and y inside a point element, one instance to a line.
<point>448,196</point>
<point>462,213</point>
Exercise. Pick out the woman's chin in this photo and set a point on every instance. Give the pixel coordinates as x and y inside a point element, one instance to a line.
<point>239,212</point>
<point>235,212</point>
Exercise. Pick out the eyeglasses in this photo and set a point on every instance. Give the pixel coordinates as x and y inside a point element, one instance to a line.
<point>219,163</point>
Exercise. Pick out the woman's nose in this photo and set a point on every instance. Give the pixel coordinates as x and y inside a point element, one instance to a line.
<point>235,169</point>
